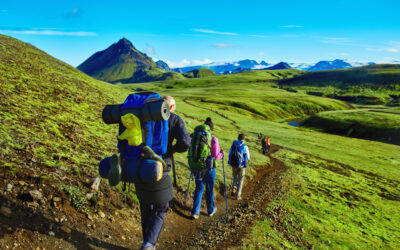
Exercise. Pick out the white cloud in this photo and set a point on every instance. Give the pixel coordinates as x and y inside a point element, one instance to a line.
<point>261,53</point>
<point>223,45</point>
<point>201,62</point>
<point>185,62</point>
<point>393,50</point>
<point>50,32</point>
<point>215,32</point>
<point>150,50</point>
<point>291,26</point>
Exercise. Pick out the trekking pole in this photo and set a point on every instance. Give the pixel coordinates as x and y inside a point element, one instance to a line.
<point>187,190</point>
<point>173,169</point>
<point>223,170</point>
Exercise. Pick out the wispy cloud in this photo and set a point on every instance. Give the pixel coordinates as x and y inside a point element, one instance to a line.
<point>185,62</point>
<point>260,36</point>
<point>3,11</point>
<point>336,40</point>
<point>75,13</point>
<point>223,45</point>
<point>291,26</point>
<point>394,47</point>
<point>47,32</point>
<point>150,50</point>
<point>215,32</point>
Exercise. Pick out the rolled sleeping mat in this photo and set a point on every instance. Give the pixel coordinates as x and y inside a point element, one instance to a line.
<point>142,170</point>
<point>133,170</point>
<point>156,110</point>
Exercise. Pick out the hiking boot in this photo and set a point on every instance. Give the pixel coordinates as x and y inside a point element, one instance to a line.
<point>238,198</point>
<point>233,191</point>
<point>148,246</point>
<point>195,216</point>
<point>213,212</point>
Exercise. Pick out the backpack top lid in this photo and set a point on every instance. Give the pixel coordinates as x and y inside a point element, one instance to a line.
<point>138,99</point>
<point>239,144</point>
<point>202,128</point>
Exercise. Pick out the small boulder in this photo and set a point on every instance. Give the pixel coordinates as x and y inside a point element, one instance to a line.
<point>36,195</point>
<point>5,211</point>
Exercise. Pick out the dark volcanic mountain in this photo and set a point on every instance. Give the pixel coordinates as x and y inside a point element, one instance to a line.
<point>281,65</point>
<point>122,62</point>
<point>163,65</point>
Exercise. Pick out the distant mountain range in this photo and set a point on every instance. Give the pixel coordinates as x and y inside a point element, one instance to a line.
<point>122,62</point>
<point>247,64</point>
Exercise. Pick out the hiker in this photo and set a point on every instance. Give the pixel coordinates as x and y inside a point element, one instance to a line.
<point>206,178</point>
<point>238,156</point>
<point>153,215</point>
<point>268,144</point>
<point>264,145</point>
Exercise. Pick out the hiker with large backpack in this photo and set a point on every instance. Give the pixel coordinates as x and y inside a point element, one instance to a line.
<point>153,215</point>
<point>203,153</point>
<point>147,127</point>
<point>238,156</point>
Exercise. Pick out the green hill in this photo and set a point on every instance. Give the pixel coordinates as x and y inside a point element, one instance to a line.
<point>122,62</point>
<point>250,93</point>
<point>50,115</point>
<point>200,73</point>
<point>373,124</point>
<point>372,84</point>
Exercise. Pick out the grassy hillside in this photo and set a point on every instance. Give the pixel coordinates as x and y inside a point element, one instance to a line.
<point>340,192</point>
<point>372,84</point>
<point>51,115</point>
<point>200,73</point>
<point>250,93</point>
<point>382,124</point>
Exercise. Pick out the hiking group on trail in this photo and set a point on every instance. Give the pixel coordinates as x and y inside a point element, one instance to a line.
<point>150,133</point>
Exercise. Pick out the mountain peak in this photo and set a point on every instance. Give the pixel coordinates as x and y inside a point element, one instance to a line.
<point>124,43</point>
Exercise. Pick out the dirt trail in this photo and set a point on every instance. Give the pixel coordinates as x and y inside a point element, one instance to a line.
<point>224,230</point>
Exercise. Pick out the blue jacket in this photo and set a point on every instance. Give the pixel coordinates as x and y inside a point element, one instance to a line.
<point>244,150</point>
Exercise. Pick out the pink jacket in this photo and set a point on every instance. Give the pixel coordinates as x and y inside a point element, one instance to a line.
<point>215,150</point>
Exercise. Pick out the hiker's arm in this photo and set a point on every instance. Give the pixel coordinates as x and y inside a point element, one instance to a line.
<point>182,137</point>
<point>247,153</point>
<point>215,150</point>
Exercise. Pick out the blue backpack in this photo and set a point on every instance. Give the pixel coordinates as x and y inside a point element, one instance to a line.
<point>155,134</point>
<point>237,155</point>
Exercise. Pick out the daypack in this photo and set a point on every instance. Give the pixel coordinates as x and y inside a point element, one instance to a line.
<point>237,154</point>
<point>200,147</point>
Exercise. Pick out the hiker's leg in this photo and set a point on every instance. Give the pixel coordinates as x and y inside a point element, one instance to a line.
<point>145,212</point>
<point>155,223</point>
<point>210,181</point>
<point>198,193</point>
<point>240,181</point>
<point>234,177</point>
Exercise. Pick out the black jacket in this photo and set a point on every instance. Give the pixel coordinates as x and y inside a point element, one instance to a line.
<point>177,130</point>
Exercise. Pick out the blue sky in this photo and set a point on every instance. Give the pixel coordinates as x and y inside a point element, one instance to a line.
<point>193,32</point>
